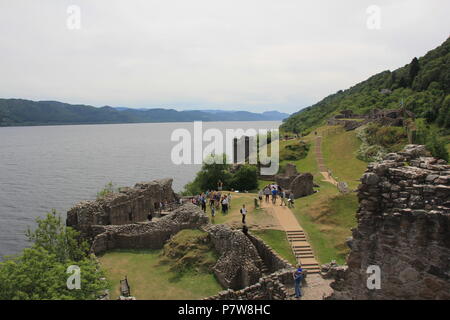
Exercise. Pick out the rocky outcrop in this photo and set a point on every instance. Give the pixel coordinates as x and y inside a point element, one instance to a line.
<point>127,206</point>
<point>149,235</point>
<point>301,184</point>
<point>403,228</point>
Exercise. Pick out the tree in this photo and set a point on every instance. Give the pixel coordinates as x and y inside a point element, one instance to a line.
<point>214,169</point>
<point>53,236</point>
<point>437,146</point>
<point>245,178</point>
<point>414,68</point>
<point>40,271</point>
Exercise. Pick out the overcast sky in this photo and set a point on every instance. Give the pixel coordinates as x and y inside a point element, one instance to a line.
<point>252,55</point>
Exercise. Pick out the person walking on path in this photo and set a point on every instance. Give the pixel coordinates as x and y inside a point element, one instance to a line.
<point>260,197</point>
<point>282,197</point>
<point>298,277</point>
<point>274,195</point>
<point>267,193</point>
<point>243,213</point>
<point>291,200</point>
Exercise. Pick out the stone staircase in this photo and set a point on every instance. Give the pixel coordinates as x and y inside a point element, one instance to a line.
<point>302,250</point>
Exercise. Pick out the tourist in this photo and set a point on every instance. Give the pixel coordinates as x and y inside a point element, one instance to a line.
<point>243,213</point>
<point>282,197</point>
<point>267,193</point>
<point>260,197</point>
<point>229,200</point>
<point>274,195</point>
<point>298,277</point>
<point>203,203</point>
<point>211,199</point>
<point>225,204</point>
<point>149,217</point>
<point>291,200</point>
<point>219,185</point>
<point>213,211</point>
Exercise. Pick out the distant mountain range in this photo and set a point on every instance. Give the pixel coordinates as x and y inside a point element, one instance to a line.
<point>19,112</point>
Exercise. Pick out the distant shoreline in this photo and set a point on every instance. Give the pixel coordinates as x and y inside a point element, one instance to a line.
<point>109,123</point>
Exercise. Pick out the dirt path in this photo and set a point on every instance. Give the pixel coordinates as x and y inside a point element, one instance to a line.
<point>321,163</point>
<point>296,236</point>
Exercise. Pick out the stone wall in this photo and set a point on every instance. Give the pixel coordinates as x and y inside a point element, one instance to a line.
<point>271,287</point>
<point>271,259</point>
<point>239,264</point>
<point>403,227</point>
<point>149,235</point>
<point>127,206</point>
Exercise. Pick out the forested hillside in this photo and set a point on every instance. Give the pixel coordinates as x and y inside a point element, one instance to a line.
<point>423,84</point>
<point>15,112</point>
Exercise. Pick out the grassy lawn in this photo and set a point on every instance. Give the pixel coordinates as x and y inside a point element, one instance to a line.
<point>277,240</point>
<point>256,217</point>
<point>150,279</point>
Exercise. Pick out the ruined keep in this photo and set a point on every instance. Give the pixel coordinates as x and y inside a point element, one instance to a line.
<point>129,205</point>
<point>301,184</point>
<point>403,227</point>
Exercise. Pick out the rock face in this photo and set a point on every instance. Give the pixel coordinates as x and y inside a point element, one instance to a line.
<point>127,206</point>
<point>403,227</point>
<point>301,184</point>
<point>150,235</point>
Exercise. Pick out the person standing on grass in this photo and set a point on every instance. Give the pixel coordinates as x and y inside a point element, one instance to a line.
<point>219,185</point>
<point>203,201</point>
<point>229,200</point>
<point>243,213</point>
<point>298,277</point>
<point>267,193</point>
<point>225,205</point>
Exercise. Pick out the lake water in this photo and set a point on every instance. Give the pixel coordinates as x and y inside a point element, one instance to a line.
<point>57,166</point>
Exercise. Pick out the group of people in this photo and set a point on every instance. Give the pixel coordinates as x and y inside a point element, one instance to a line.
<point>275,191</point>
<point>216,200</point>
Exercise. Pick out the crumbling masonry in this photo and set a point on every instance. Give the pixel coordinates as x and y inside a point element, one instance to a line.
<point>403,227</point>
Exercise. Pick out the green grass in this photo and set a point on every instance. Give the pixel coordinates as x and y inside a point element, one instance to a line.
<point>327,217</point>
<point>339,151</point>
<point>277,240</point>
<point>150,279</point>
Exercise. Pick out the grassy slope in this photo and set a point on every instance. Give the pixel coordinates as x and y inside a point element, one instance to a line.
<point>328,216</point>
<point>277,240</point>
<point>339,152</point>
<point>151,280</point>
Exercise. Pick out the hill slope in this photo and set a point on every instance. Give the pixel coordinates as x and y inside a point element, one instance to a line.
<point>424,85</point>
<point>15,112</point>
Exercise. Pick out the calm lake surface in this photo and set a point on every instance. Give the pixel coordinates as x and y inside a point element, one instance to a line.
<point>57,166</point>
